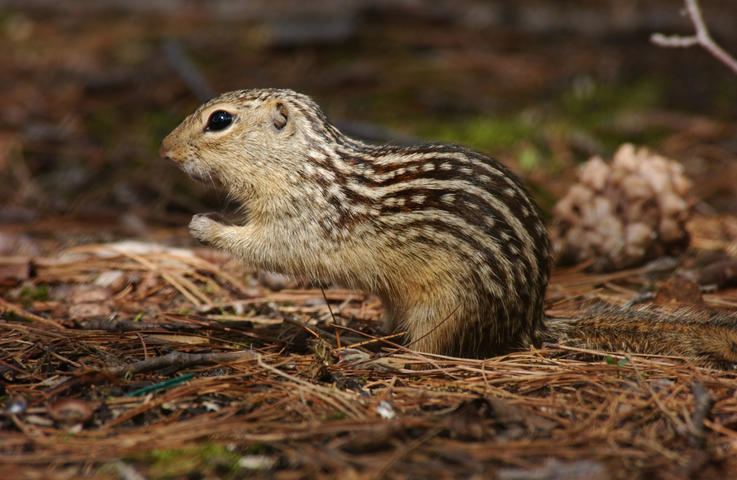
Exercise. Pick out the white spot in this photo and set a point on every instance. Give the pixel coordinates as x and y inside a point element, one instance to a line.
<point>525,211</point>
<point>336,191</point>
<point>358,209</point>
<point>485,178</point>
<point>510,192</point>
<point>327,174</point>
<point>466,170</point>
<point>506,237</point>
<point>446,166</point>
<point>428,167</point>
<point>448,198</point>
<point>418,198</point>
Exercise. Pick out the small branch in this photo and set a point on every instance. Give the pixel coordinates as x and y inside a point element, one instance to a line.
<point>31,317</point>
<point>701,37</point>
<point>180,360</point>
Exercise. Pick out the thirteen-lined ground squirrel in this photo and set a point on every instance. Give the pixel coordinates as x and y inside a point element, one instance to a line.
<point>449,239</point>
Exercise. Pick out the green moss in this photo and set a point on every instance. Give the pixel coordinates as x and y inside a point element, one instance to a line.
<point>594,107</point>
<point>480,133</point>
<point>205,459</point>
<point>530,158</point>
<point>589,100</point>
<point>37,293</point>
<point>588,109</point>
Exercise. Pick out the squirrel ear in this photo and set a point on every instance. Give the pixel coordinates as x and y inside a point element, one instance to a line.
<point>279,115</point>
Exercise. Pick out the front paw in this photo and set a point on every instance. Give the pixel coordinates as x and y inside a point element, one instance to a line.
<point>204,227</point>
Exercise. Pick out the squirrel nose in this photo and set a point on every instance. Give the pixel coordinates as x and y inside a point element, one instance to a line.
<point>165,150</point>
<point>165,153</point>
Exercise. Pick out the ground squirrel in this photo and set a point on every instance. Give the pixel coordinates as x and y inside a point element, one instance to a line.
<point>449,239</point>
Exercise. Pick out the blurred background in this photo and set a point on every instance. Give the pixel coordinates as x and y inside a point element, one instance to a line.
<point>89,88</point>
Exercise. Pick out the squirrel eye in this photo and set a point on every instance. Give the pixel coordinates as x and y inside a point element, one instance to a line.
<point>219,120</point>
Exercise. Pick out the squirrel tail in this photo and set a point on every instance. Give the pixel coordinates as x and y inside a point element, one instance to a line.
<point>709,337</point>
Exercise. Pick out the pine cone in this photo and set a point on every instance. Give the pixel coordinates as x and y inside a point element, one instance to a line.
<point>623,214</point>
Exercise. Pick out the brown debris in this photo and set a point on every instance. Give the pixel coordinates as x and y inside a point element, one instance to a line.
<point>679,290</point>
<point>211,364</point>
<point>719,274</point>
<point>556,470</point>
<point>71,411</point>
<point>14,270</point>
<point>86,96</point>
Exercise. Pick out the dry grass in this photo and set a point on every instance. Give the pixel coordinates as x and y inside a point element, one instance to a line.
<point>187,368</point>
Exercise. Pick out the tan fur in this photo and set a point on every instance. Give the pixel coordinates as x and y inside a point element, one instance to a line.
<point>447,238</point>
<point>708,337</point>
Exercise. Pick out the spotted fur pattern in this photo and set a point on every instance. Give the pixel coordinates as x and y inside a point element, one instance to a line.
<point>448,238</point>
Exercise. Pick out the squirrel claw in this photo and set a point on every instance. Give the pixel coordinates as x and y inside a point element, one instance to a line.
<point>203,226</point>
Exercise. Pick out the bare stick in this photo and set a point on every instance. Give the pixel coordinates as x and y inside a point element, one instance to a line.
<point>181,360</point>
<point>701,37</point>
<point>9,307</point>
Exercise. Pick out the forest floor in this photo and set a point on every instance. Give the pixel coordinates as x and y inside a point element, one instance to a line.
<point>132,356</point>
<point>128,351</point>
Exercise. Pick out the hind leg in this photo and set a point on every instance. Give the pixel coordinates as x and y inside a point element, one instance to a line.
<point>432,329</point>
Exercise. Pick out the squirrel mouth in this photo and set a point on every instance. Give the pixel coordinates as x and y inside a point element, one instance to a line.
<point>200,174</point>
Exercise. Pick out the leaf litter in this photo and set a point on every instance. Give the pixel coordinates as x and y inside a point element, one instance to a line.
<point>192,350</point>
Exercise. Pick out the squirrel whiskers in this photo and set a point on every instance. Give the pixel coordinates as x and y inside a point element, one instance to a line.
<point>449,239</point>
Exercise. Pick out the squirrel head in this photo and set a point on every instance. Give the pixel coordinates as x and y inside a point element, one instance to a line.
<point>251,142</point>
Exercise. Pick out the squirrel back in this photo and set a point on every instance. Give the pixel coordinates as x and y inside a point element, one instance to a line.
<point>449,239</point>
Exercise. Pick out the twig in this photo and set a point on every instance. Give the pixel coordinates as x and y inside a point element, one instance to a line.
<point>336,398</point>
<point>440,324</point>
<point>113,324</point>
<point>180,360</point>
<point>425,357</point>
<point>9,307</point>
<point>332,315</point>
<point>371,340</point>
<point>185,287</point>
<point>701,37</point>
<point>678,425</point>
